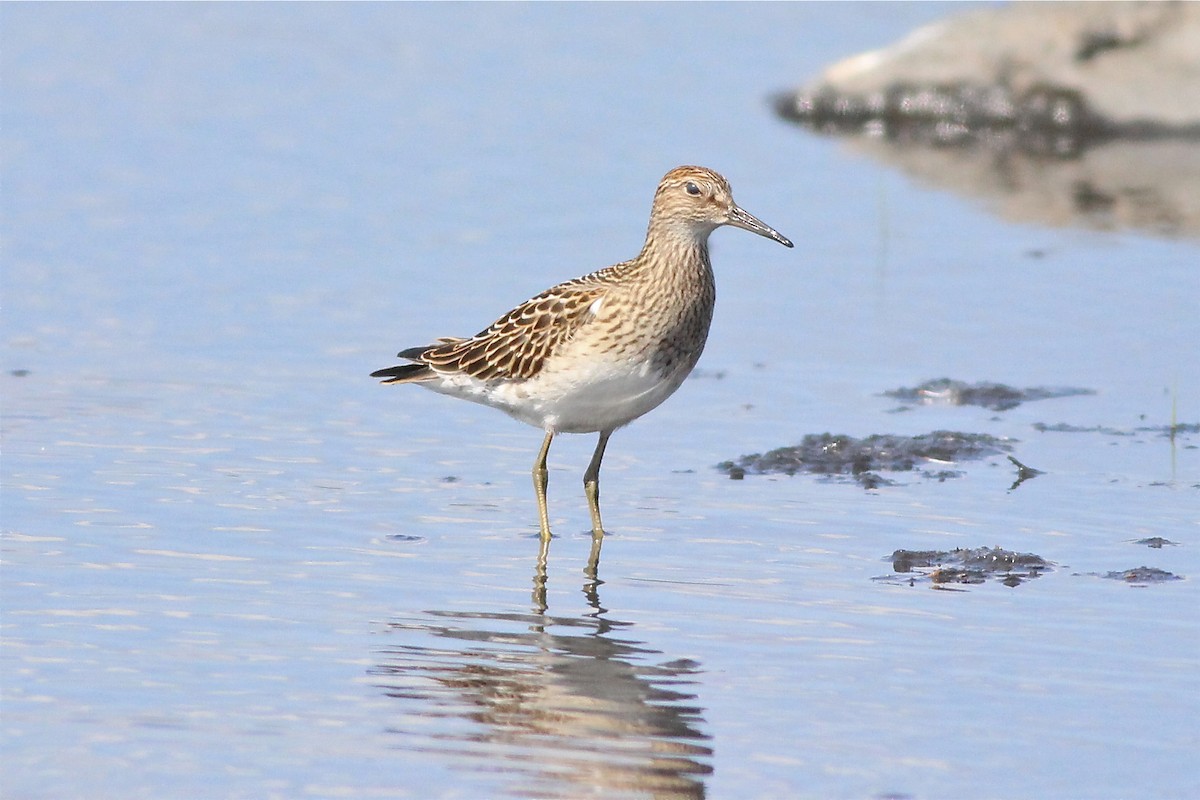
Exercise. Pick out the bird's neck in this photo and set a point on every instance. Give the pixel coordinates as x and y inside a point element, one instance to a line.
<point>676,249</point>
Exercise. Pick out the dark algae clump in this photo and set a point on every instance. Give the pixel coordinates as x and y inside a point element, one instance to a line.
<point>1143,576</point>
<point>858,459</point>
<point>965,566</point>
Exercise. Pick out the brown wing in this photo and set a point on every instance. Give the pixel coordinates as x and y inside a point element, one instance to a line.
<point>518,344</point>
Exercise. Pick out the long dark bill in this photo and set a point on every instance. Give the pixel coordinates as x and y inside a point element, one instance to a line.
<point>740,218</point>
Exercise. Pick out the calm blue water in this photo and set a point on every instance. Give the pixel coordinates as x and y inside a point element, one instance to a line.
<point>234,566</point>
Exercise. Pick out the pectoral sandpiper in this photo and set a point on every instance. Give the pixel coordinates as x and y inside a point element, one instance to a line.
<point>595,353</point>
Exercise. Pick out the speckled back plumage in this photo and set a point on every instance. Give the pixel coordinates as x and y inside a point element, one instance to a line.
<point>650,287</point>
<point>516,346</point>
<point>628,334</point>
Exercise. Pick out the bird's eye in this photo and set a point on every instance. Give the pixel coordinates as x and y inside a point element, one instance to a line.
<point>692,189</point>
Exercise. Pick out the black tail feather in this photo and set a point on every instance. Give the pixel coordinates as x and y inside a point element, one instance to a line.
<point>413,353</point>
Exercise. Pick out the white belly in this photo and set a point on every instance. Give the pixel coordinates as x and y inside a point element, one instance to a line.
<point>598,396</point>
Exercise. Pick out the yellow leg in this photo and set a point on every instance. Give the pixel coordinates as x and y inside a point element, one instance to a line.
<point>541,477</point>
<point>591,484</point>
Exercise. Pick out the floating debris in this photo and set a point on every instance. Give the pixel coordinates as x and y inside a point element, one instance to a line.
<point>1024,473</point>
<point>965,566</point>
<point>840,455</point>
<point>1156,542</point>
<point>995,396</point>
<point>1143,576</point>
<point>869,480</point>
<point>403,537</point>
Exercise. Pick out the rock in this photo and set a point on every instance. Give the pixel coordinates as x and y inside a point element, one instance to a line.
<point>1135,65</point>
<point>1088,113</point>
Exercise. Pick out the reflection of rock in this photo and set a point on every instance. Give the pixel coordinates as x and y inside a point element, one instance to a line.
<point>573,712</point>
<point>1063,113</point>
<point>1149,185</point>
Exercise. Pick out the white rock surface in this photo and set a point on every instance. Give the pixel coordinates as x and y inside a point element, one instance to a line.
<point>1133,62</point>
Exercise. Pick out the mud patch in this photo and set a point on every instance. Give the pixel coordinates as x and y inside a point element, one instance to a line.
<point>851,459</point>
<point>962,566</point>
<point>996,396</point>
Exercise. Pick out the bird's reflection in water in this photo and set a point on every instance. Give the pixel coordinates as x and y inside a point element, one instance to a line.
<point>591,587</point>
<point>566,705</point>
